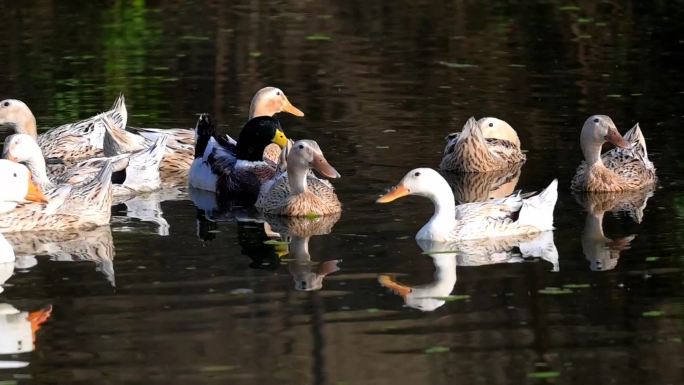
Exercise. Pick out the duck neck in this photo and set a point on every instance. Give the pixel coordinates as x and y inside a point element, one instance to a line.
<point>296,177</point>
<point>36,164</point>
<point>592,151</point>
<point>26,124</point>
<point>443,220</point>
<point>260,107</point>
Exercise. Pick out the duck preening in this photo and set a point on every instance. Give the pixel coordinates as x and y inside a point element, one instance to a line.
<point>484,145</point>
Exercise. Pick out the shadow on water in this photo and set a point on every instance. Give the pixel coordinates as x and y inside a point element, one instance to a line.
<point>210,294</point>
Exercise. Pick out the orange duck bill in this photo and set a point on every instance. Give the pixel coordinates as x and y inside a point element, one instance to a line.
<point>397,192</point>
<point>288,107</point>
<point>34,194</point>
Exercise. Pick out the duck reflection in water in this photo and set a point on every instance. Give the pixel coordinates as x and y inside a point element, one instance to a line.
<point>94,245</point>
<point>307,274</point>
<point>18,332</point>
<point>447,256</point>
<point>603,253</point>
<point>482,186</point>
<point>147,208</point>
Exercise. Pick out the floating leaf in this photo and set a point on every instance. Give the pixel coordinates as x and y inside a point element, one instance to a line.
<point>576,285</point>
<point>456,65</point>
<point>318,37</point>
<point>255,54</point>
<point>614,96</point>
<point>568,8</point>
<point>452,298</point>
<point>194,38</point>
<point>437,349</point>
<point>652,259</point>
<point>276,242</point>
<point>312,216</point>
<point>217,368</point>
<point>555,291</point>
<point>549,374</point>
<point>584,20</point>
<point>653,313</point>
<point>373,310</point>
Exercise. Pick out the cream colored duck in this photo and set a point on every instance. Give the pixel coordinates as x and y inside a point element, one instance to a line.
<point>69,207</point>
<point>296,192</point>
<point>623,168</point>
<point>140,170</point>
<point>484,145</point>
<point>497,218</point>
<point>70,142</point>
<point>180,151</point>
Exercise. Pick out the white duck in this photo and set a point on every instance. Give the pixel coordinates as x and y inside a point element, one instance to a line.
<point>497,218</point>
<point>18,188</point>
<point>7,259</point>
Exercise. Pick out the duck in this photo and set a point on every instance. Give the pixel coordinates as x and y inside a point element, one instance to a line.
<point>68,143</point>
<point>234,169</point>
<point>484,145</point>
<point>138,172</point>
<point>69,207</point>
<point>296,192</point>
<point>179,156</point>
<point>7,258</point>
<point>623,168</point>
<point>513,215</point>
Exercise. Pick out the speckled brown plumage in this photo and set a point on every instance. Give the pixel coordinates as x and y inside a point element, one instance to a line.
<point>470,151</point>
<point>620,169</point>
<point>482,186</point>
<point>319,199</point>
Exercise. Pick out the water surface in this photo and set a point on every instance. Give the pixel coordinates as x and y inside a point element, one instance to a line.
<point>167,295</point>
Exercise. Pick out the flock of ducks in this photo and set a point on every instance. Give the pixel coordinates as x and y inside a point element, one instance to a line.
<point>68,178</point>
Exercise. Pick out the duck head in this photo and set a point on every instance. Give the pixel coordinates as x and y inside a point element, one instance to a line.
<point>597,130</point>
<point>16,113</point>
<point>258,133</point>
<point>494,128</point>
<point>424,182</point>
<point>302,156</point>
<point>20,148</point>
<point>17,186</point>
<point>269,101</point>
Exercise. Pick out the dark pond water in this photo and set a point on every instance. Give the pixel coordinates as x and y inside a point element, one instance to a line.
<point>167,296</point>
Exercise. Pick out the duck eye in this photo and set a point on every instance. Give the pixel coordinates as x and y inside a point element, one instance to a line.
<point>491,124</point>
<point>417,173</point>
<point>278,93</point>
<point>15,174</point>
<point>596,120</point>
<point>6,104</point>
<point>301,146</point>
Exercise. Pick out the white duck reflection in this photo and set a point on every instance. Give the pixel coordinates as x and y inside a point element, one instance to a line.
<point>94,245</point>
<point>147,208</point>
<point>603,253</point>
<point>447,256</point>
<point>7,259</point>
<point>482,186</point>
<point>18,332</point>
<point>307,274</point>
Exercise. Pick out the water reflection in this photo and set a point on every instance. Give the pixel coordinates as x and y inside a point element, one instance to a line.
<point>146,208</point>
<point>308,275</point>
<point>602,252</point>
<point>482,186</point>
<point>95,245</point>
<point>18,332</point>
<point>447,256</point>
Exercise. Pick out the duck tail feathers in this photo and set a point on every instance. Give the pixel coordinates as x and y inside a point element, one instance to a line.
<point>636,138</point>
<point>471,128</point>
<point>118,113</point>
<point>537,211</point>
